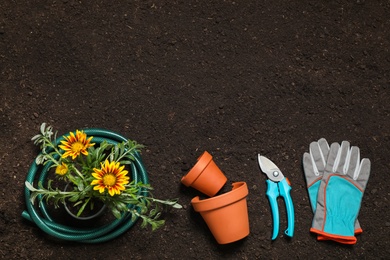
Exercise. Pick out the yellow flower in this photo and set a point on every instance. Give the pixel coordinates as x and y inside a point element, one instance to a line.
<point>73,144</point>
<point>62,169</point>
<point>111,176</point>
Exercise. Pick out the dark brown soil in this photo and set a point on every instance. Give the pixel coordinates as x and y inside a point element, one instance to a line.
<point>235,78</point>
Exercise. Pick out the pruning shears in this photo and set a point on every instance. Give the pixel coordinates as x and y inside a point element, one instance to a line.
<point>277,185</point>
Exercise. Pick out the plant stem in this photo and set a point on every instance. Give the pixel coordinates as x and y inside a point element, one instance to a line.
<point>78,172</point>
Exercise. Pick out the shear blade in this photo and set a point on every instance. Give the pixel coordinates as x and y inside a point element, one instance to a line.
<point>270,169</point>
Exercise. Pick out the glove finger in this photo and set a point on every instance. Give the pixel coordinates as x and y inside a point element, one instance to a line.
<point>308,168</point>
<point>318,158</point>
<point>363,173</point>
<point>311,179</point>
<point>342,158</point>
<point>334,148</point>
<point>353,163</point>
<point>324,146</point>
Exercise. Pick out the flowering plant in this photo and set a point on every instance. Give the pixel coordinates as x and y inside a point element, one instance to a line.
<point>96,173</point>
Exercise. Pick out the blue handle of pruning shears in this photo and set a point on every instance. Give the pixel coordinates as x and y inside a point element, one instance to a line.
<point>284,189</point>
<point>274,190</point>
<point>273,194</point>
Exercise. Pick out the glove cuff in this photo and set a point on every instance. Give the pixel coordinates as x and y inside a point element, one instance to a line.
<point>358,231</point>
<point>348,240</point>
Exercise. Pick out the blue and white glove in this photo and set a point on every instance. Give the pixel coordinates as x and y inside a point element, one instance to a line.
<point>314,164</point>
<point>340,193</point>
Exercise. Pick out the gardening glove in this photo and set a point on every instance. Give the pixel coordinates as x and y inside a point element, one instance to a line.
<point>340,193</point>
<point>314,164</point>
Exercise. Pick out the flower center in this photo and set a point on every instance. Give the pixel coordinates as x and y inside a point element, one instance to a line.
<point>77,147</point>
<point>109,180</point>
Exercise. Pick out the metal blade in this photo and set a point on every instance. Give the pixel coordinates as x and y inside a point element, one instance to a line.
<point>269,168</point>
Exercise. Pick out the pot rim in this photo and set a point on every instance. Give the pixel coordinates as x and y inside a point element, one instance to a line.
<point>66,206</point>
<point>203,160</point>
<point>238,192</point>
<point>100,212</point>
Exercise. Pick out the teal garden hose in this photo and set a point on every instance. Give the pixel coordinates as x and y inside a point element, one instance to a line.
<point>44,221</point>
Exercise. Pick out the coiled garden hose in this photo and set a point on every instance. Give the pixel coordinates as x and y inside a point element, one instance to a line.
<point>42,219</point>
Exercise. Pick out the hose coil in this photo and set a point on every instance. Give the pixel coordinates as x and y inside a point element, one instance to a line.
<point>45,222</point>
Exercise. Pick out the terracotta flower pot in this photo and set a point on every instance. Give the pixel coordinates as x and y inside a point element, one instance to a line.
<point>205,176</point>
<point>226,215</point>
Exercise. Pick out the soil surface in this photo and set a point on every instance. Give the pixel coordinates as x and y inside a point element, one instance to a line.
<point>235,78</point>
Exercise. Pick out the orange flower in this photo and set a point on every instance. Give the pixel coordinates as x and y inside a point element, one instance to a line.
<point>111,176</point>
<point>73,144</point>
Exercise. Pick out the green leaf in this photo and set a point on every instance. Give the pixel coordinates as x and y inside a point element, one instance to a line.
<point>82,208</point>
<point>125,162</point>
<point>153,212</point>
<point>35,137</point>
<point>121,206</point>
<point>88,188</point>
<point>116,213</point>
<point>144,223</point>
<point>133,217</point>
<point>157,216</point>
<point>177,206</point>
<point>43,127</point>
<point>77,203</point>
<point>29,186</point>
<point>33,196</point>
<point>40,159</point>
<point>74,198</point>
<point>158,224</point>
<point>80,185</point>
